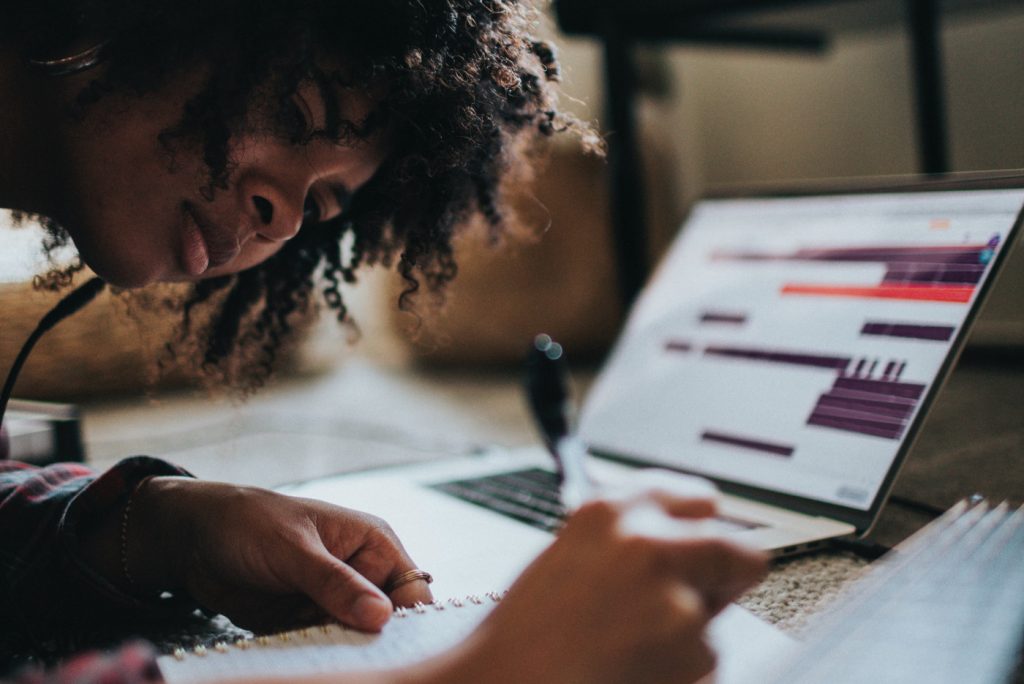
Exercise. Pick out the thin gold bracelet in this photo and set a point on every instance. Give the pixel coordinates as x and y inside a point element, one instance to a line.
<point>71,64</point>
<point>124,530</point>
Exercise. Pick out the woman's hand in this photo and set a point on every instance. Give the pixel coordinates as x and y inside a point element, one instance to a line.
<point>265,560</point>
<point>623,595</point>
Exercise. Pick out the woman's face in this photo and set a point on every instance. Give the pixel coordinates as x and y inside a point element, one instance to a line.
<point>137,212</point>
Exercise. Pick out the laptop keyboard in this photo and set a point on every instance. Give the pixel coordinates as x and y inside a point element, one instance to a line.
<point>531,496</point>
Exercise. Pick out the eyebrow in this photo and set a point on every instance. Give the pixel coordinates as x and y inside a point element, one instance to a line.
<point>332,107</point>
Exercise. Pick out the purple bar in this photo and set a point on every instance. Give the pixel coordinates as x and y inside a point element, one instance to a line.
<point>678,346</point>
<point>915,255</point>
<point>872,397</point>
<point>887,387</point>
<point>832,362</point>
<point>866,416</point>
<point>872,407</point>
<point>937,333</point>
<point>756,445</point>
<point>723,317</point>
<point>862,427</point>
<point>888,370</point>
<point>968,274</point>
<point>937,254</point>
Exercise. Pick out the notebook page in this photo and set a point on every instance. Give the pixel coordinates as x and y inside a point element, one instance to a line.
<point>745,645</point>
<point>407,638</point>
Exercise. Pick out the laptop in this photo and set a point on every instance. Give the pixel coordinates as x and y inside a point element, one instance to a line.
<point>788,348</point>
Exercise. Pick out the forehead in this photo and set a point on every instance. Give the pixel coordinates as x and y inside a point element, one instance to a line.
<point>345,126</point>
<point>342,103</point>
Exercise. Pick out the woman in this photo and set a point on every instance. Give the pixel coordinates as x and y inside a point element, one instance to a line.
<point>237,146</point>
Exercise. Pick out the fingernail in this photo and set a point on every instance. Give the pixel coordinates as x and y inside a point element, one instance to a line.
<point>370,610</point>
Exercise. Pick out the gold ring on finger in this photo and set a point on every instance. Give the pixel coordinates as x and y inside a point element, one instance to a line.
<point>407,577</point>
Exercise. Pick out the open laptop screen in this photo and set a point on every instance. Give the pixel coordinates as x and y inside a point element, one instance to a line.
<point>788,344</point>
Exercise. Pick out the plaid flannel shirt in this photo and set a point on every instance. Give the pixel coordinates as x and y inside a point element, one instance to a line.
<point>134,663</point>
<point>48,591</point>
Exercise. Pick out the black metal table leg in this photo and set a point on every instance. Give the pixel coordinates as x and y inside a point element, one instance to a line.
<point>926,52</point>
<point>628,207</point>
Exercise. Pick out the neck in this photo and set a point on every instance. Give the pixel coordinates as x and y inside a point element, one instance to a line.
<point>27,122</point>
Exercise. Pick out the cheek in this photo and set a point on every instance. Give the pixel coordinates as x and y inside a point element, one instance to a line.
<point>119,196</point>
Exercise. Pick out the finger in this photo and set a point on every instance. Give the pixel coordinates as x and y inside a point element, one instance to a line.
<point>690,608</point>
<point>648,518</point>
<point>383,560</point>
<point>678,507</point>
<point>719,570</point>
<point>702,663</point>
<point>343,593</point>
<point>379,555</point>
<point>676,634</point>
<point>679,495</point>
<point>409,593</point>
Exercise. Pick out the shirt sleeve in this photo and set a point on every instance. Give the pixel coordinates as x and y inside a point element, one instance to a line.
<point>133,663</point>
<point>46,588</point>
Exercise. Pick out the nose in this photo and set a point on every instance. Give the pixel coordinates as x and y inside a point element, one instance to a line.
<point>276,215</point>
<point>277,220</point>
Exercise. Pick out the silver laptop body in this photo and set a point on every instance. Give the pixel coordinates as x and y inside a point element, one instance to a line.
<point>787,348</point>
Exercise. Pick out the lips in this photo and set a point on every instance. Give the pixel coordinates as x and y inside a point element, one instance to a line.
<point>209,246</point>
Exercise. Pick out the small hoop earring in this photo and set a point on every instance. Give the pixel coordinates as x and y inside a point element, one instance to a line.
<point>72,64</point>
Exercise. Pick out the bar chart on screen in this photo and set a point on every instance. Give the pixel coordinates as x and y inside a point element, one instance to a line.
<point>790,343</point>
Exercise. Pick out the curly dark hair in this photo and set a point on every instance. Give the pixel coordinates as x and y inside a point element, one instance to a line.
<point>461,82</point>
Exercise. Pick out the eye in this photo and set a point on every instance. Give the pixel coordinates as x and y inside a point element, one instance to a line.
<point>310,211</point>
<point>296,120</point>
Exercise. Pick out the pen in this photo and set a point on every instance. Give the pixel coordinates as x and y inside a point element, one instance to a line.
<point>551,406</point>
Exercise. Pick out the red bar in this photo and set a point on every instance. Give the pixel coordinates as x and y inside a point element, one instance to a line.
<point>928,293</point>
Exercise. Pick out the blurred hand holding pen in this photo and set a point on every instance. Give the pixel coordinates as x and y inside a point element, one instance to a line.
<point>548,393</point>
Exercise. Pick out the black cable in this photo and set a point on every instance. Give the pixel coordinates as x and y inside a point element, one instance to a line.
<point>919,506</point>
<point>868,550</point>
<point>77,299</point>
